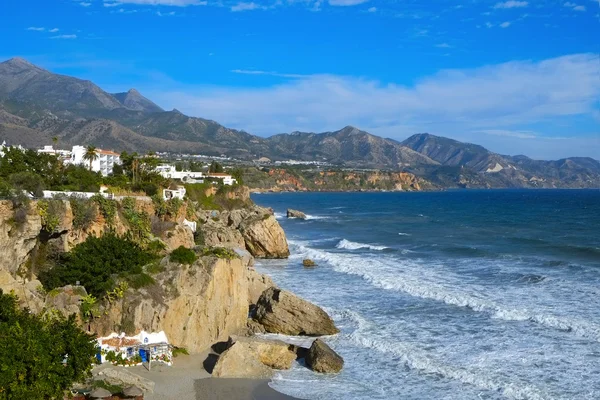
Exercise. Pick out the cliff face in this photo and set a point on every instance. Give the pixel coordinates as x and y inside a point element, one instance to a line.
<point>196,305</point>
<point>19,230</point>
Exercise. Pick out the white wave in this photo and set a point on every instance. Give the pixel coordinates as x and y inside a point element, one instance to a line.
<point>399,275</point>
<point>308,216</point>
<point>348,245</point>
<point>336,208</point>
<point>420,360</point>
<point>279,215</point>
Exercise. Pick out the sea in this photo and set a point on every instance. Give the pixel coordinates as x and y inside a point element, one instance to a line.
<point>467,294</point>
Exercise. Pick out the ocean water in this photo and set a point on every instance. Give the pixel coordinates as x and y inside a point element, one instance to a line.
<point>451,295</point>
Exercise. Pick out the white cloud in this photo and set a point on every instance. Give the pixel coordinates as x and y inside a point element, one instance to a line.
<point>167,14</point>
<point>505,24</point>
<point>511,4</point>
<point>574,6</point>
<point>245,7</point>
<point>374,9</point>
<point>270,73</point>
<point>64,37</point>
<point>53,30</point>
<point>85,4</point>
<point>508,133</point>
<point>36,28</point>
<point>509,96</point>
<point>489,24</point>
<point>346,2</point>
<point>173,3</point>
<point>443,46</point>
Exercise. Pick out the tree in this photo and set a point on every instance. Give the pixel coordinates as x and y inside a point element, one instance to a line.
<point>215,167</point>
<point>54,140</point>
<point>90,155</point>
<point>41,357</point>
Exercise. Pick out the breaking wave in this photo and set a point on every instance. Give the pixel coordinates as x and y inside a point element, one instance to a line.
<point>348,245</point>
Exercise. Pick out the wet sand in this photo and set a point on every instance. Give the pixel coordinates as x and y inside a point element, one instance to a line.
<point>187,379</point>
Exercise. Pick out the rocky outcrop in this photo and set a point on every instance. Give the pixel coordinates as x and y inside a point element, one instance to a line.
<point>66,299</point>
<point>308,263</point>
<point>264,238</point>
<point>280,311</point>
<point>255,229</point>
<point>19,230</point>
<point>253,358</point>
<point>238,362</point>
<point>257,284</point>
<point>295,214</point>
<point>179,236</point>
<point>321,358</point>
<point>196,305</point>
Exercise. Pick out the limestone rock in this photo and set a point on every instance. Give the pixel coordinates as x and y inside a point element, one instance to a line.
<point>196,305</point>
<point>252,328</point>
<point>257,284</point>
<point>265,238</point>
<point>240,362</point>
<point>179,236</point>
<point>19,229</point>
<point>308,263</point>
<point>122,377</point>
<point>280,311</point>
<point>272,353</point>
<point>321,358</point>
<point>295,214</point>
<point>218,234</point>
<point>66,299</point>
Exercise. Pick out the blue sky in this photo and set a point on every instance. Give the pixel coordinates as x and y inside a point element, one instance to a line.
<point>520,77</point>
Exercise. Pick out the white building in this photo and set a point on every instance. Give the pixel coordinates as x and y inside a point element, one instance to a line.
<point>103,163</point>
<point>4,147</point>
<point>170,172</point>
<point>62,154</point>
<point>227,179</point>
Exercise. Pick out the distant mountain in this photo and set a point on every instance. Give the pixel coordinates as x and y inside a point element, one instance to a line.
<point>470,165</point>
<point>349,146</point>
<point>37,105</point>
<point>133,100</point>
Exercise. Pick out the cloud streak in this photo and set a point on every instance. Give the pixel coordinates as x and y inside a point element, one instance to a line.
<point>172,3</point>
<point>509,96</point>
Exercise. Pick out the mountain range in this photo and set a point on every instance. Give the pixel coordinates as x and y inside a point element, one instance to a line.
<point>37,105</point>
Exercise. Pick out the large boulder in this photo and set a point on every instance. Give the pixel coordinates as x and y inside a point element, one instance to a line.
<point>295,214</point>
<point>264,237</point>
<point>238,362</point>
<point>280,311</point>
<point>122,377</point>
<point>321,358</point>
<point>257,284</point>
<point>272,353</point>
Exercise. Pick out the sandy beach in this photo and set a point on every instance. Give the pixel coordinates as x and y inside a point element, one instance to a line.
<point>188,379</point>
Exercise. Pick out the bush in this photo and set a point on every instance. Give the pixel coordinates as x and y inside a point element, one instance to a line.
<point>40,357</point>
<point>108,208</point>
<point>139,221</point>
<point>141,280</point>
<point>84,212</point>
<point>50,212</point>
<point>96,263</point>
<point>183,255</point>
<point>220,252</point>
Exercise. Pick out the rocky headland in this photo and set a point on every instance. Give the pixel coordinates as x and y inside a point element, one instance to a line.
<point>217,298</point>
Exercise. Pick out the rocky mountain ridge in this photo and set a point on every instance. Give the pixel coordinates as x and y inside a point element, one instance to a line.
<point>37,105</point>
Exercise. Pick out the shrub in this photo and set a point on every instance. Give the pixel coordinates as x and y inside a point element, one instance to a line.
<point>139,221</point>
<point>141,280</point>
<point>183,255</point>
<point>84,212</point>
<point>96,263</point>
<point>50,212</point>
<point>179,350</point>
<point>220,252</point>
<point>40,357</point>
<point>108,208</point>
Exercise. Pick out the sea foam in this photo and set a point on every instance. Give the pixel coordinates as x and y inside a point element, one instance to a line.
<point>348,245</point>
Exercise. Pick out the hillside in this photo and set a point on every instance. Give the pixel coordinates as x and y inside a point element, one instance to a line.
<point>37,105</point>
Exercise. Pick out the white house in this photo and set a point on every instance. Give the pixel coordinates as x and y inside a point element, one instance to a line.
<point>62,154</point>
<point>103,163</point>
<point>170,172</point>
<point>227,179</point>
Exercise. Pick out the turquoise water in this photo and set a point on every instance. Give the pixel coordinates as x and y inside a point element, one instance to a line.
<point>452,295</point>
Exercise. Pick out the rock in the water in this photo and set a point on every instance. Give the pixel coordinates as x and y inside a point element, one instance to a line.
<point>321,358</point>
<point>264,237</point>
<point>240,362</point>
<point>308,263</point>
<point>280,311</point>
<point>122,377</point>
<point>295,214</point>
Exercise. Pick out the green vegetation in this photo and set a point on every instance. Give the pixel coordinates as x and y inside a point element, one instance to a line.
<point>215,167</point>
<point>108,208</point>
<point>219,252</point>
<point>40,358</point>
<point>84,212</point>
<point>183,255</point>
<point>139,221</point>
<point>164,208</point>
<point>198,192</point>
<point>50,212</point>
<point>97,263</point>
<point>179,350</point>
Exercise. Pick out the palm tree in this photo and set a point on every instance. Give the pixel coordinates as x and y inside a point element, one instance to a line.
<point>54,140</point>
<point>90,155</point>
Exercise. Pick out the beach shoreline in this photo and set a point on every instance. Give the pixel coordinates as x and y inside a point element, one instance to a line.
<point>187,379</point>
